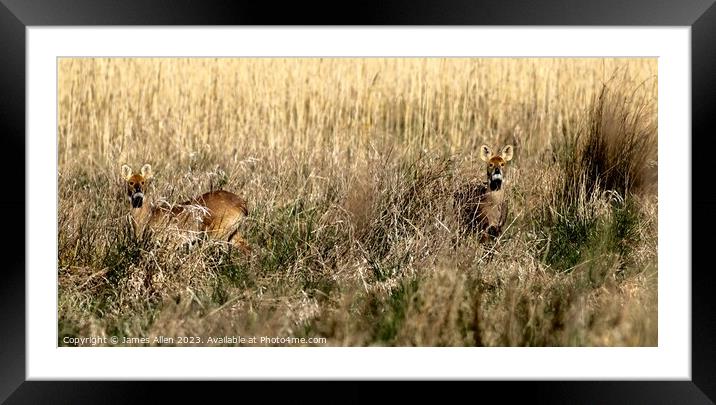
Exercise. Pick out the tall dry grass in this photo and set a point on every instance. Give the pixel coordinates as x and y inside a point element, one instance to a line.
<point>349,166</point>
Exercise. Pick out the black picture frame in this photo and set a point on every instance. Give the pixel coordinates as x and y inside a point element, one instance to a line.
<point>700,15</point>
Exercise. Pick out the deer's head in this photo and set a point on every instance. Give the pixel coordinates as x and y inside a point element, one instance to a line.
<point>496,164</point>
<point>136,183</point>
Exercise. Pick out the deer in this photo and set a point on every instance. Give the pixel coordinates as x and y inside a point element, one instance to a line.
<point>215,214</point>
<point>482,204</point>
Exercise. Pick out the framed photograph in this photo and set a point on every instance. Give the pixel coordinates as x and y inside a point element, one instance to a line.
<point>471,202</point>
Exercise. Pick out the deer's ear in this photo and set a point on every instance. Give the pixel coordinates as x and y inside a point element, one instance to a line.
<point>147,172</point>
<point>126,172</point>
<point>507,153</point>
<point>485,153</point>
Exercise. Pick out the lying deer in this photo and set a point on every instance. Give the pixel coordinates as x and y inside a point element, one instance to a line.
<point>482,205</point>
<point>215,214</point>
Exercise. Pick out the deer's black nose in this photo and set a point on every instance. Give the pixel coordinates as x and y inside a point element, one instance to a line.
<point>137,200</point>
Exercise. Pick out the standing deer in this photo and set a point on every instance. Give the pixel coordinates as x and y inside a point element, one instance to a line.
<point>482,205</point>
<point>215,214</point>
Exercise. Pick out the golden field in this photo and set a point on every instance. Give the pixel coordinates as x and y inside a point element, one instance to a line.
<point>349,167</point>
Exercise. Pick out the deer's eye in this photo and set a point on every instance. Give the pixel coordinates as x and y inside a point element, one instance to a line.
<point>142,183</point>
<point>491,165</point>
<point>131,183</point>
<point>501,164</point>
